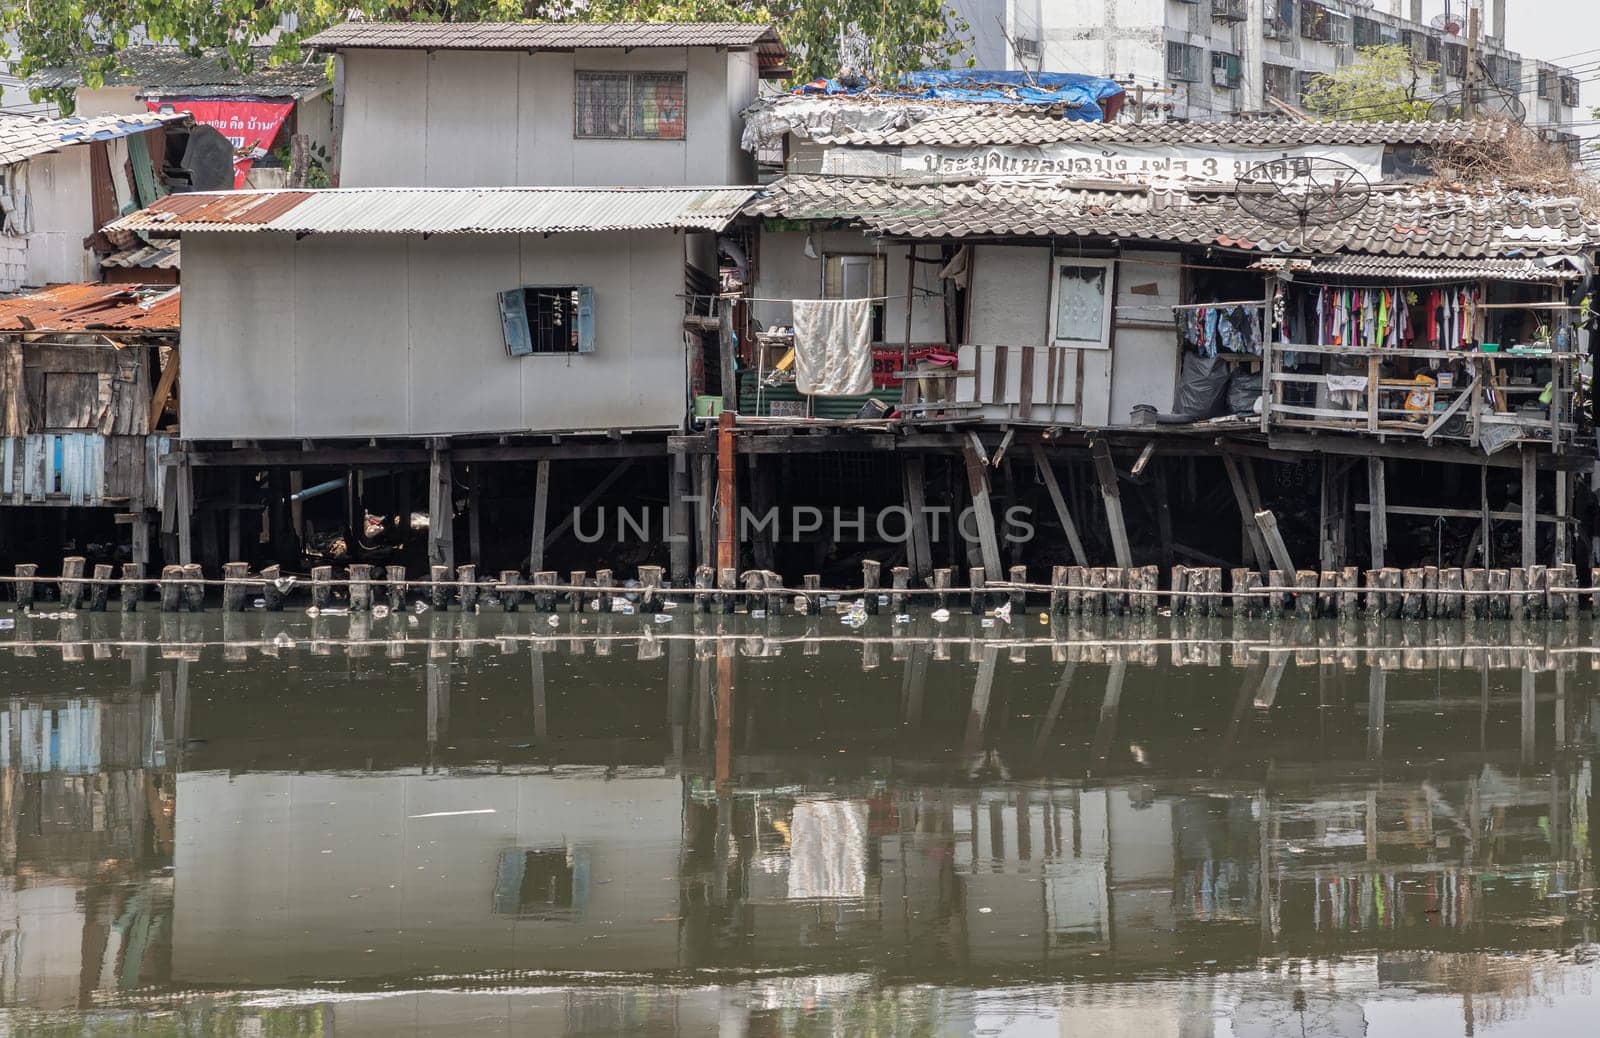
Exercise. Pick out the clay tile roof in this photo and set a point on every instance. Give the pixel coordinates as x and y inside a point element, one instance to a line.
<point>158,71</point>
<point>867,121</point>
<point>543,35</point>
<point>23,138</point>
<point>1404,222</point>
<point>92,308</point>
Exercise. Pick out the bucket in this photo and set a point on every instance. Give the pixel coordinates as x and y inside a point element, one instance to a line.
<point>707,406</point>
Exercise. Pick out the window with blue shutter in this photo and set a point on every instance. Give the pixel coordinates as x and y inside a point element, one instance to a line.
<point>541,319</point>
<point>514,321</point>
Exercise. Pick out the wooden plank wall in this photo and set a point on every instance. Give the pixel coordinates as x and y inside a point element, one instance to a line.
<point>82,469</point>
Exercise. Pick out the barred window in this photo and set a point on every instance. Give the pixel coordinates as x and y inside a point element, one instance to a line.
<point>640,105</point>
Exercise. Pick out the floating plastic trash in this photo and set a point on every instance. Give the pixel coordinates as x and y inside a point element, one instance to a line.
<point>625,608</point>
<point>313,611</point>
<point>1002,612</point>
<point>941,615</point>
<point>259,603</point>
<point>663,618</point>
<point>412,621</point>
<point>902,618</point>
<point>380,611</point>
<point>420,608</point>
<point>284,640</point>
<point>283,583</point>
<point>669,604</point>
<point>758,614</point>
<point>1044,618</point>
<point>7,624</point>
<point>554,621</point>
<point>987,621</point>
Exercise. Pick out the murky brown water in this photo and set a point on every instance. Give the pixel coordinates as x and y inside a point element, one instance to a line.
<point>485,825</point>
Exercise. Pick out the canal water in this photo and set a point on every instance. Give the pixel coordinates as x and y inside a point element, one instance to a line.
<point>438,824</point>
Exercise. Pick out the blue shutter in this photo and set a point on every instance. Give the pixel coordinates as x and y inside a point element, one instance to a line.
<point>514,321</point>
<point>585,320</point>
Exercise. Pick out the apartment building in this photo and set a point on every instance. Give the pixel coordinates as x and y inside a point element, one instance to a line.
<point>1207,59</point>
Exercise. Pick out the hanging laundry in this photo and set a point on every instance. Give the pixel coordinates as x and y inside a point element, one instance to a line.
<point>833,346</point>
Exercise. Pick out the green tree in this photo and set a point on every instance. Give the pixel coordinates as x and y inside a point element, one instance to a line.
<point>1384,84</point>
<point>896,35</point>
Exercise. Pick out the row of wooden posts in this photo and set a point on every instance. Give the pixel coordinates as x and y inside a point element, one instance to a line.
<point>1426,591</point>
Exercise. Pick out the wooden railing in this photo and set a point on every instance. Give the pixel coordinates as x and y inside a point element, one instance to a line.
<point>1481,395</point>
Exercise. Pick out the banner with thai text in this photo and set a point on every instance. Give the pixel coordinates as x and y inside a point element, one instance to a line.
<point>249,124</point>
<point>1140,162</point>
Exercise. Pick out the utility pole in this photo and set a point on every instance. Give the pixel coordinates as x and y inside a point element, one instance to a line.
<point>1469,86</point>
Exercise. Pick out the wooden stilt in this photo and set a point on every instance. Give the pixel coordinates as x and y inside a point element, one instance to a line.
<point>541,508</point>
<point>439,593</point>
<point>900,577</point>
<point>25,584</point>
<point>604,580</point>
<point>983,512</point>
<point>705,579</point>
<point>72,586</point>
<point>1476,581</point>
<point>360,575</point>
<point>100,589</point>
<point>977,597</point>
<point>727,490</point>
<point>1111,496</point>
<point>871,575</point>
<point>1378,513</point>
<point>511,590</point>
<point>441,510</point>
<point>321,593</point>
<point>1245,498</point>
<point>171,588</point>
<point>919,545</point>
<point>1047,475</point>
<point>233,587</point>
<point>466,586</point>
<point>395,577</point>
<point>1530,497</point>
<point>1267,523</point>
<point>131,592</point>
<point>194,592</point>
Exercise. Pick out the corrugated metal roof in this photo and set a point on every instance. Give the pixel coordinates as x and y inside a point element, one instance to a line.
<point>1553,268</point>
<point>164,255</point>
<point>23,138</point>
<point>1403,222</point>
<point>394,210</point>
<point>542,35</point>
<point>868,121</point>
<point>173,72</point>
<point>92,308</point>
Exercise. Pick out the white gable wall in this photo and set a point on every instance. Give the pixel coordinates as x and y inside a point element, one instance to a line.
<point>378,335</point>
<point>496,119</point>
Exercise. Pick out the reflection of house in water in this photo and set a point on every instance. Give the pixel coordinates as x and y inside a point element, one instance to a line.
<point>85,819</point>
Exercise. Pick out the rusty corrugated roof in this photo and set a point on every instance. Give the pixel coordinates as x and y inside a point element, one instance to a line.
<point>543,35</point>
<point>422,210</point>
<point>92,308</point>
<point>1404,222</point>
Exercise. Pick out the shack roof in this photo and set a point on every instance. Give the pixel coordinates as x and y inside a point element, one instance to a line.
<point>23,138</point>
<point>397,210</point>
<point>158,71</point>
<point>868,120</point>
<point>1544,268</point>
<point>92,308</point>
<point>529,36</point>
<point>1400,222</point>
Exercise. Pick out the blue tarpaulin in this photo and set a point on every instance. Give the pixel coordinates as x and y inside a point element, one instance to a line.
<point>1082,95</point>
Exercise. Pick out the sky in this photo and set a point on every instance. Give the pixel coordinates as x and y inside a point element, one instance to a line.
<point>1554,30</point>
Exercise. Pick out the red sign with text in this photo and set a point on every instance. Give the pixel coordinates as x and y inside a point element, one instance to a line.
<point>249,125</point>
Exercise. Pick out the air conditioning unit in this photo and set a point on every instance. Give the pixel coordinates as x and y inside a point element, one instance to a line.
<point>1027,48</point>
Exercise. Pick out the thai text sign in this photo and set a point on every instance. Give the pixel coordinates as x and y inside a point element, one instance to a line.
<point>249,125</point>
<point>1118,161</point>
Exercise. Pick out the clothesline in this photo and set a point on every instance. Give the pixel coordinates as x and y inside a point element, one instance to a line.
<point>787,299</point>
<point>1202,306</point>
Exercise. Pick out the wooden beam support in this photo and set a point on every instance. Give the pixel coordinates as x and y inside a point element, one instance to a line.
<point>1268,524</point>
<point>1378,511</point>
<point>1111,496</point>
<point>441,510</point>
<point>1041,461</point>
<point>541,509</point>
<point>1530,497</point>
<point>919,544</point>
<point>1248,507</point>
<point>978,486</point>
